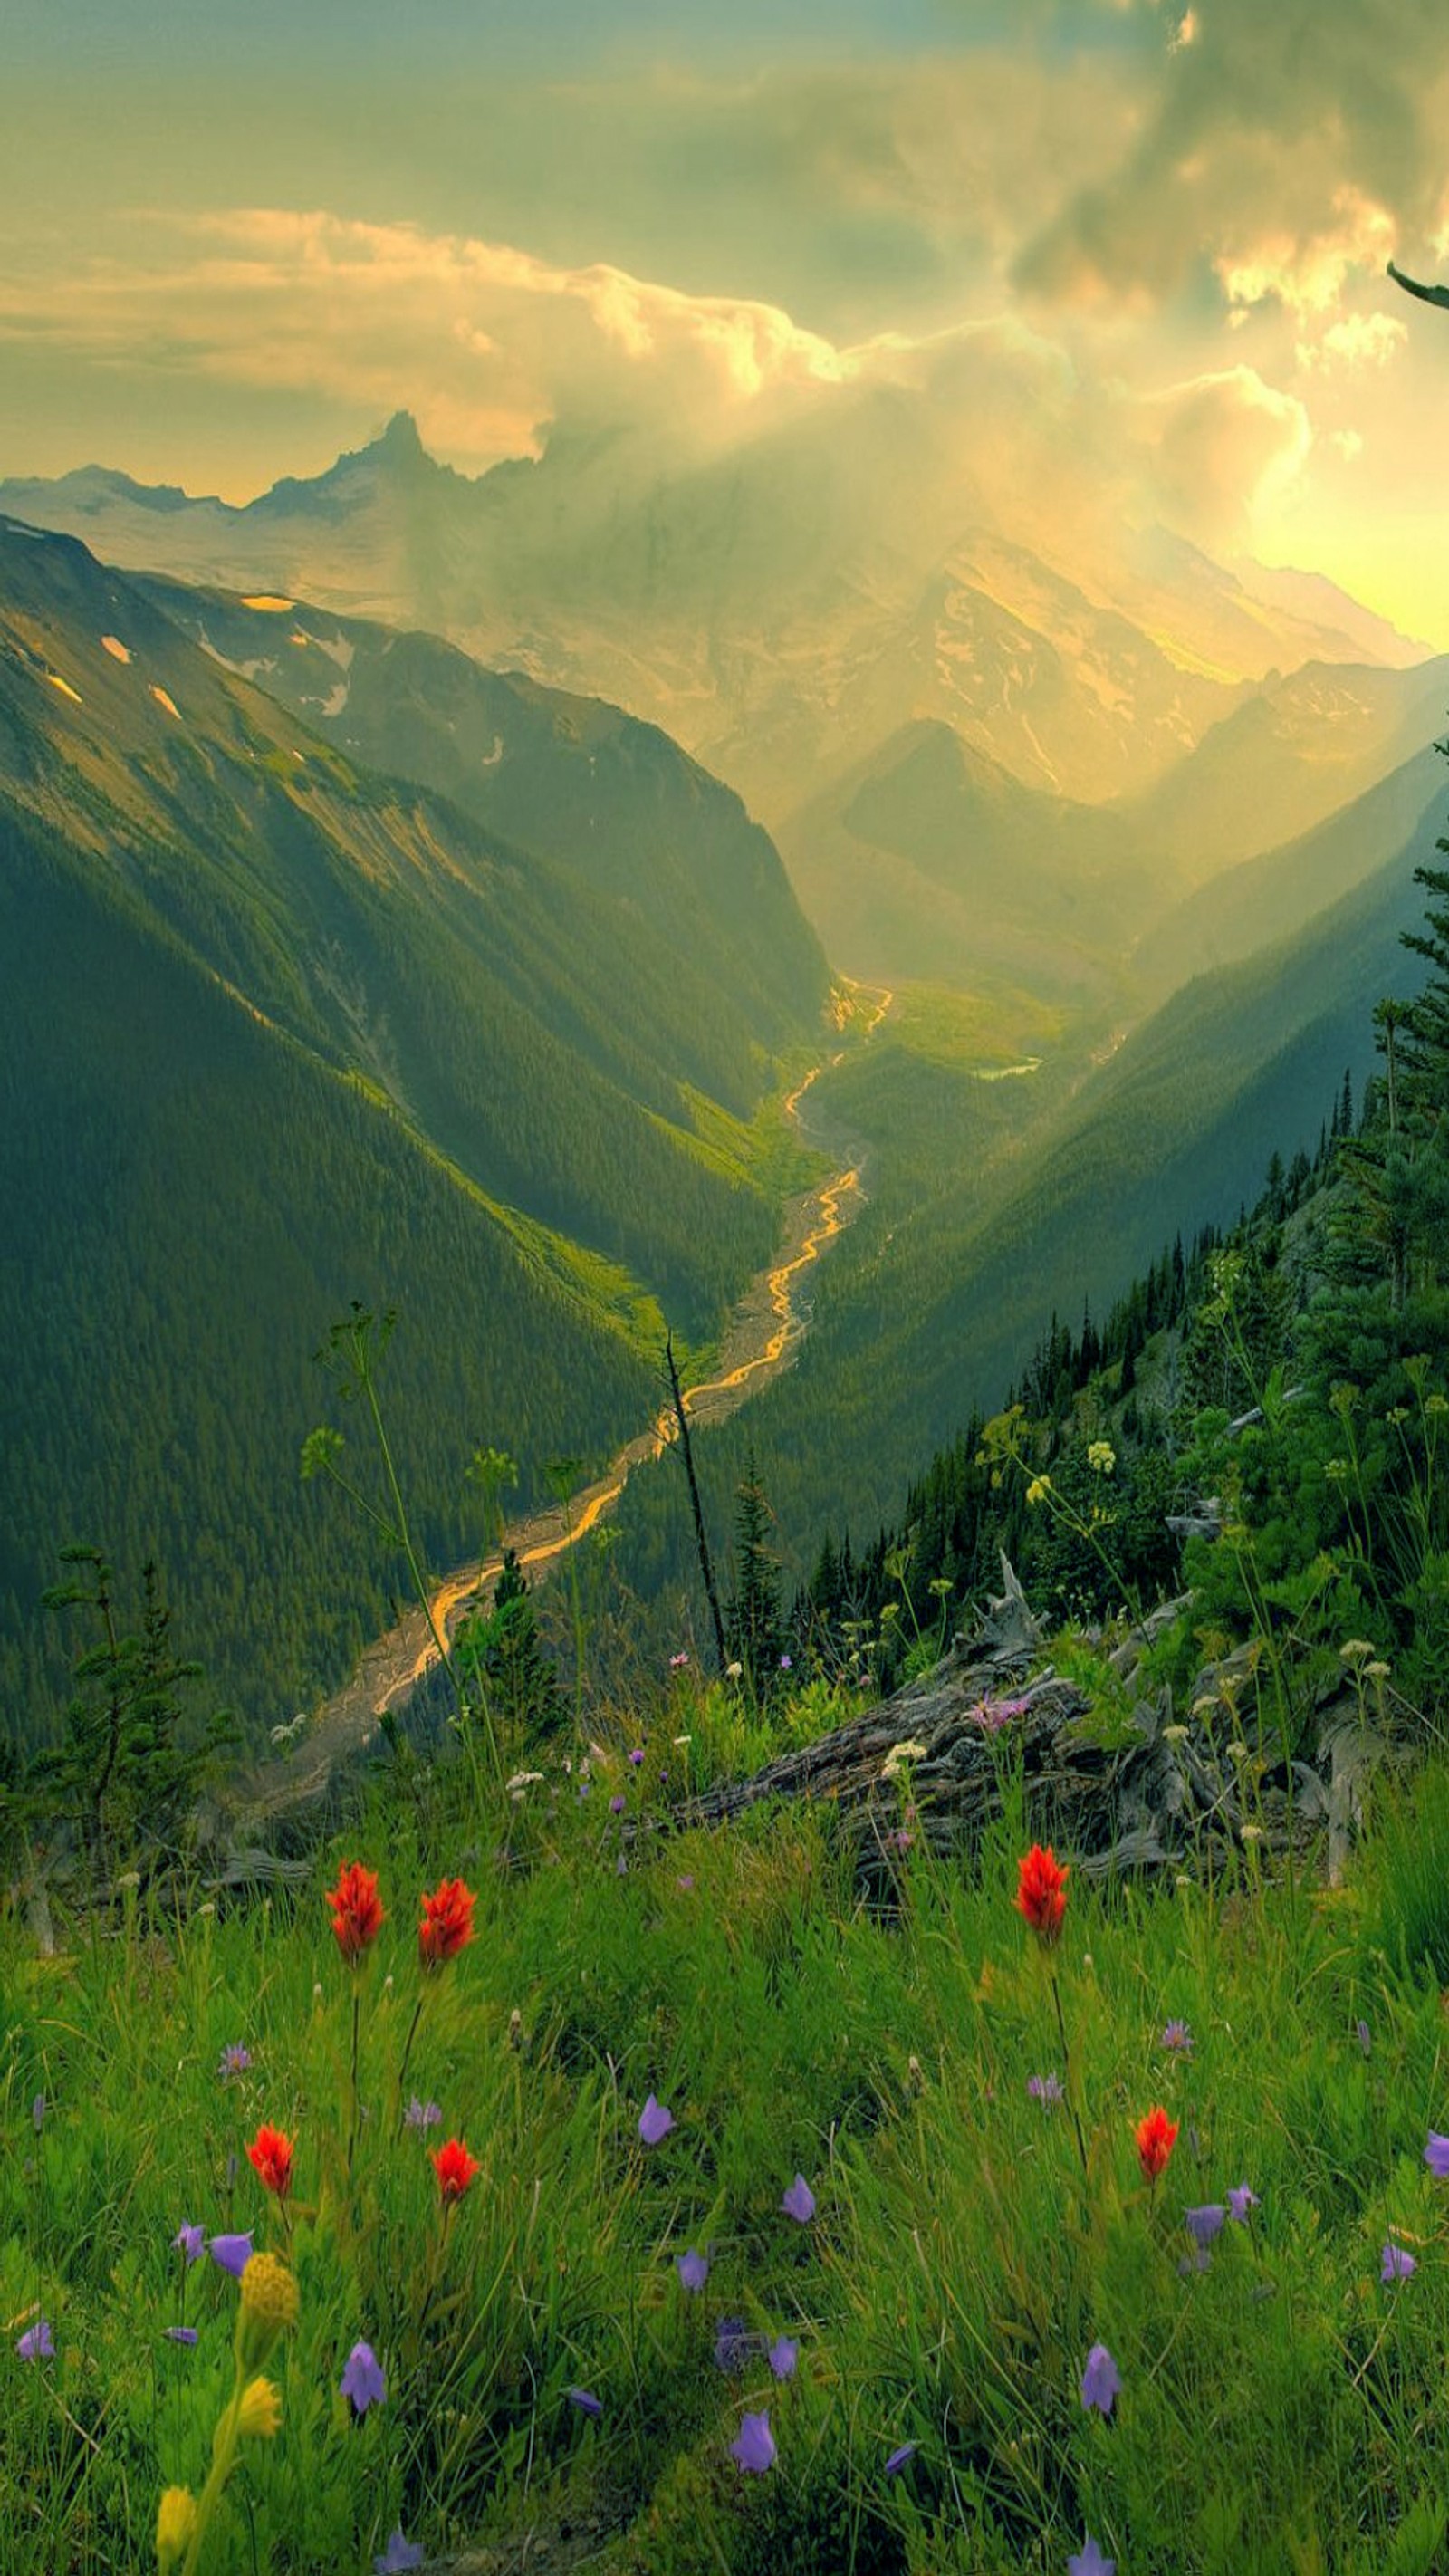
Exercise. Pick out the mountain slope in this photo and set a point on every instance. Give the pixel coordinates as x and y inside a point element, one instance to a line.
<point>979,1230</point>
<point>276,1031</point>
<point>612,801</point>
<point>930,860</point>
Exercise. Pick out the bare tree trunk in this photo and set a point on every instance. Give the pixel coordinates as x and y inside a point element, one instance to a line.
<point>702,1543</point>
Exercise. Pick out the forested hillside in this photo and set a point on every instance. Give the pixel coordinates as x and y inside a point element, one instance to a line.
<point>997,1203</point>
<point>277,1033</point>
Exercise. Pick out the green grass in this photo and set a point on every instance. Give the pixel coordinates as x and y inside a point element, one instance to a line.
<point>1281,2410</point>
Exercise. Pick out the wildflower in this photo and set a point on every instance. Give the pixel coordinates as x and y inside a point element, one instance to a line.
<point>1041,1893</point>
<point>1250,1833</point>
<point>731,2344</point>
<point>1156,2136</point>
<point>654,2122</point>
<point>733,1671</point>
<point>362,2379</point>
<point>906,1751</point>
<point>1396,2264</point>
<point>692,2268</point>
<point>1046,2089</point>
<point>1357,1650</point>
<point>454,2168</point>
<point>422,2115</point>
<point>1436,2155</point>
<point>585,2400</point>
<point>1089,2561</point>
<point>357,1916</point>
<point>447,1924</point>
<point>899,2457</point>
<point>271,2153</point>
<point>637,1755</point>
<point>37,2113</point>
<point>1240,2202</point>
<point>1101,1457</point>
<point>1204,2224</point>
<point>617,1804</point>
<point>175,2525</point>
<point>787,1663</point>
<point>1101,2380</point>
<point>1177,2038</point>
<point>754,2445</point>
<point>782,2356</point>
<point>269,2304</point>
<point>1038,1490</point>
<point>1364,2036</point>
<point>799,2201</point>
<point>234,2061</point>
<point>520,1781</point>
<point>233,2253</point>
<point>678,1662</point>
<point>181,2334</point>
<point>685,1883</point>
<point>190,2241</point>
<point>1176,1734</point>
<point>37,2343</point>
<point>261,2411</point>
<point>399,2556</point>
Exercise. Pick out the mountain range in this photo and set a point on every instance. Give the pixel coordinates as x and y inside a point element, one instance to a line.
<point>277,1031</point>
<point>339,963</point>
<point>780,610</point>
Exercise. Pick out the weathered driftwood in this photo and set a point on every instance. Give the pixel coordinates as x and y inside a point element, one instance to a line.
<point>931,1765</point>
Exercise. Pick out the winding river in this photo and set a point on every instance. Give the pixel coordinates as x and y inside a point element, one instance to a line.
<point>759,1341</point>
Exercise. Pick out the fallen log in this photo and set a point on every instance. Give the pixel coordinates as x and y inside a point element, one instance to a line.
<point>1142,1791</point>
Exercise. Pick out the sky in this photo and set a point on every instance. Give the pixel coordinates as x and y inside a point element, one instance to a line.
<point>1133,250</point>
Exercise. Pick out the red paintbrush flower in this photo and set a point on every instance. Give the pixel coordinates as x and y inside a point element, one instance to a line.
<point>1155,2139</point>
<point>447,1924</point>
<point>357,1915</point>
<point>271,2153</point>
<point>1041,1893</point>
<point>454,2168</point>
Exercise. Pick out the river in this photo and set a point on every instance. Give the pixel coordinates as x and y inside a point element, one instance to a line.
<point>759,1341</point>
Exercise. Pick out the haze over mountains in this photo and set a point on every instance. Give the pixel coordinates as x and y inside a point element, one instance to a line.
<point>779,609</point>
<point>338,963</point>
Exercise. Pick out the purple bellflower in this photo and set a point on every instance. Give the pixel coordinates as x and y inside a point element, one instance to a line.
<point>362,2379</point>
<point>799,2200</point>
<point>754,2444</point>
<point>654,2122</point>
<point>1101,2380</point>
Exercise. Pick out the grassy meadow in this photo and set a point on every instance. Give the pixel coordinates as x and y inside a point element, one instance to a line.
<point>842,2310</point>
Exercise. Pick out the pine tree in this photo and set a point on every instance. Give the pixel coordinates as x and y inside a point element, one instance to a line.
<point>752,1617</point>
<point>504,1648</point>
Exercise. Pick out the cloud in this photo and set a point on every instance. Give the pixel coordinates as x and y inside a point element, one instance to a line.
<point>915,434</point>
<point>486,339</point>
<point>1215,448</point>
<point>1359,340</point>
<point>1287,147</point>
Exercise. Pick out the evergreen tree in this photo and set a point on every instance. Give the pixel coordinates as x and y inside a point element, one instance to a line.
<point>504,1648</point>
<point>120,1760</point>
<point>753,1622</point>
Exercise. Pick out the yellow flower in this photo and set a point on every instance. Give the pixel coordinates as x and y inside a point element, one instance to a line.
<point>269,2304</point>
<point>261,2410</point>
<point>175,2523</point>
<point>1101,1457</point>
<point>1038,1490</point>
